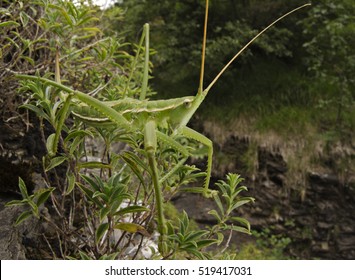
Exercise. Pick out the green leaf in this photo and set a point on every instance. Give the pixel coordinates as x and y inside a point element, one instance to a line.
<point>84,256</point>
<point>131,228</point>
<point>89,195</point>
<point>43,195</point>
<point>183,223</point>
<point>219,203</point>
<point>71,182</point>
<point>237,228</point>
<point>34,206</point>
<point>117,195</point>
<point>170,229</point>
<point>242,201</point>
<point>220,238</point>
<point>23,188</point>
<point>103,212</point>
<point>188,245</point>
<point>131,209</point>
<point>24,18</point>
<point>134,162</point>
<point>205,243</point>
<point>24,215</point>
<point>93,165</point>
<point>101,231</point>
<point>242,188</point>
<point>77,133</point>
<point>50,145</point>
<point>8,23</point>
<point>200,190</point>
<point>55,162</point>
<point>91,182</point>
<point>75,145</point>
<point>91,29</point>
<point>242,221</point>
<point>112,256</point>
<point>196,253</point>
<point>193,235</point>
<point>28,59</point>
<point>100,195</point>
<point>16,203</point>
<point>215,214</point>
<point>78,137</point>
<point>37,111</point>
<point>67,17</point>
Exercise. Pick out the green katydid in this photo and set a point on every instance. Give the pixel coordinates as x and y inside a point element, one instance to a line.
<point>152,115</point>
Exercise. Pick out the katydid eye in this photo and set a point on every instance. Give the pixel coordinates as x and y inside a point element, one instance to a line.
<point>187,103</point>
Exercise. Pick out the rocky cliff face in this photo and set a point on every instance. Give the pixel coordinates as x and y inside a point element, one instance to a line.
<point>311,203</point>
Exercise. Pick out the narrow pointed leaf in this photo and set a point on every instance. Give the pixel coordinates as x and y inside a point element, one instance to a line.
<point>55,162</point>
<point>100,195</point>
<point>89,194</point>
<point>134,163</point>
<point>91,182</point>
<point>22,187</point>
<point>76,134</point>
<point>238,229</point>
<point>24,215</point>
<point>84,256</point>
<point>215,214</point>
<point>206,242</point>
<point>8,23</point>
<point>93,165</point>
<point>132,209</point>
<point>242,221</point>
<point>50,145</point>
<point>131,228</point>
<point>112,256</point>
<point>219,204</point>
<point>103,213</point>
<point>35,109</point>
<point>71,182</point>
<point>101,231</point>
<point>242,201</point>
<point>220,238</point>
<point>43,196</point>
<point>16,202</point>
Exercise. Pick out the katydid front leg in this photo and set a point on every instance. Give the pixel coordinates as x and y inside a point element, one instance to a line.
<point>193,134</point>
<point>150,146</point>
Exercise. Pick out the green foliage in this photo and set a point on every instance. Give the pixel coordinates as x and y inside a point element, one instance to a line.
<point>299,117</point>
<point>268,246</point>
<point>33,201</point>
<point>189,241</point>
<point>273,245</point>
<point>186,240</point>
<point>330,59</point>
<point>229,192</point>
<point>104,207</point>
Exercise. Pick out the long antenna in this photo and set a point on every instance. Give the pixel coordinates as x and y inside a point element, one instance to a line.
<point>200,89</point>
<point>247,45</point>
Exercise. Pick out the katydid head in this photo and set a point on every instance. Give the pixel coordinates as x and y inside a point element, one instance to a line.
<point>182,114</point>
